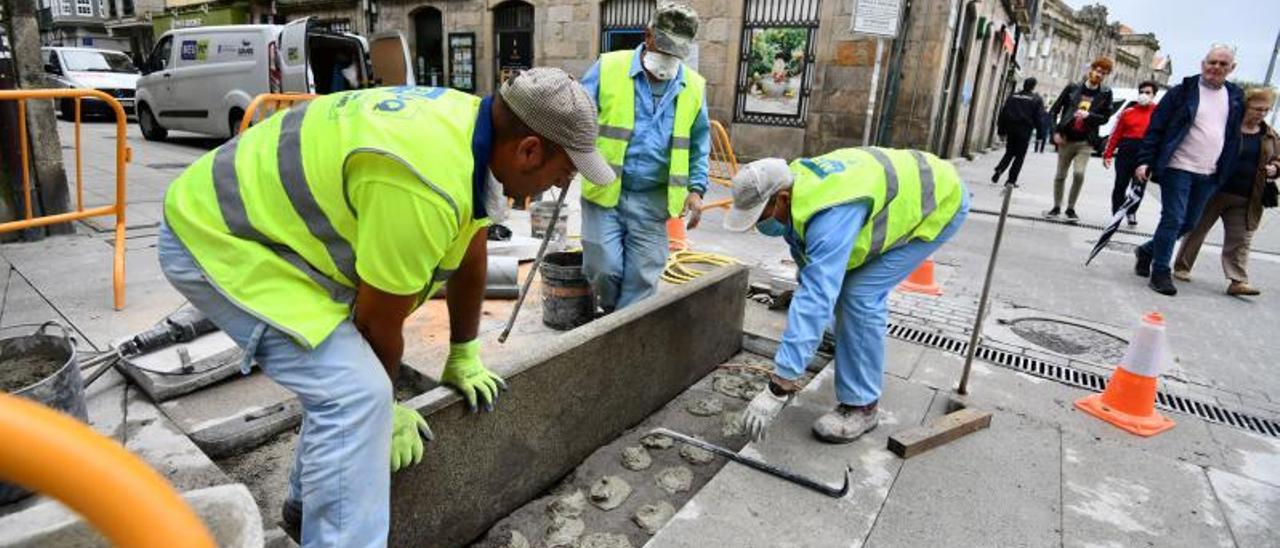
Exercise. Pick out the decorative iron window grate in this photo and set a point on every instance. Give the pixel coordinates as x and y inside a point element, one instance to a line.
<point>513,16</point>
<point>775,62</point>
<point>622,23</point>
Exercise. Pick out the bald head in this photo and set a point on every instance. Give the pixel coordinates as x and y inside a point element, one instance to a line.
<point>1217,65</point>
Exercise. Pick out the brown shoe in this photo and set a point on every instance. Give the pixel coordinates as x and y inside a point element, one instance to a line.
<point>1242,289</point>
<point>1182,275</point>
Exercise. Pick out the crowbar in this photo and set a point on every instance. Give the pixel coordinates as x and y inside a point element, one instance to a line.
<point>776,471</point>
<point>528,279</point>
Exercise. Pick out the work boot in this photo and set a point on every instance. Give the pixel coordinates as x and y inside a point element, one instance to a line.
<point>1242,289</point>
<point>291,519</point>
<point>1071,215</point>
<point>1053,213</point>
<point>1143,265</point>
<point>1162,284</point>
<point>1182,275</point>
<point>1131,219</point>
<point>846,423</point>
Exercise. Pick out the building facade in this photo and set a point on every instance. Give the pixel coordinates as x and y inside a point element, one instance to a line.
<point>78,23</point>
<point>1064,42</point>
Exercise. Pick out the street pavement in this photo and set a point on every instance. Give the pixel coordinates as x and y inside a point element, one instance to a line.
<point>1043,474</point>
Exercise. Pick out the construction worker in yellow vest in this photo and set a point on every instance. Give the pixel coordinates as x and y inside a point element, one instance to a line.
<point>310,238</point>
<point>858,222</point>
<point>655,133</point>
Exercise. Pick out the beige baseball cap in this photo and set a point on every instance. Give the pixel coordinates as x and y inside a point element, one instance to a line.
<point>754,184</point>
<point>555,106</point>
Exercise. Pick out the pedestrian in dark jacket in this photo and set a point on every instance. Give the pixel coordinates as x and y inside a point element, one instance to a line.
<point>1019,118</point>
<point>1045,130</point>
<point>1123,145</point>
<point>1189,149</point>
<point>1080,109</point>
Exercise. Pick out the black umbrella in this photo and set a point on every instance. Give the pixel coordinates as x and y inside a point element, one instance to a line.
<point>1131,196</point>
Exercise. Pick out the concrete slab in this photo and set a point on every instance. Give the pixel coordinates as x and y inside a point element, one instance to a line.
<point>568,397</point>
<point>1117,496</point>
<point>227,511</point>
<point>235,415</point>
<point>1252,508</point>
<point>155,439</point>
<point>1248,454</point>
<point>729,510</point>
<point>962,494</point>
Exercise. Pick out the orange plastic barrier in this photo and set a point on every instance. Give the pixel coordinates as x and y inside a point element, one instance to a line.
<point>121,496</point>
<point>273,103</point>
<point>122,157</point>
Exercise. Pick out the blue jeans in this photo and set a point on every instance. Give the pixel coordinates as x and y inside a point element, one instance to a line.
<point>1183,196</point>
<point>342,464</point>
<point>624,248</point>
<point>862,313</point>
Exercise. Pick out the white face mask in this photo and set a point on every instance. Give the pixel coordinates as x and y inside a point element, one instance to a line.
<point>495,201</point>
<point>1144,99</point>
<point>660,65</point>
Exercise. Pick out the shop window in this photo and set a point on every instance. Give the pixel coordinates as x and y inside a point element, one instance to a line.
<point>622,23</point>
<point>513,35</point>
<point>775,64</point>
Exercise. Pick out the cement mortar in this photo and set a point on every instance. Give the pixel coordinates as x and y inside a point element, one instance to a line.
<point>623,459</point>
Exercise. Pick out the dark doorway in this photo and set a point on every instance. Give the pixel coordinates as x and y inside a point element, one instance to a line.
<point>428,32</point>
<point>513,36</point>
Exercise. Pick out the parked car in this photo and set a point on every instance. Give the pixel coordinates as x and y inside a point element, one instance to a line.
<point>202,79</point>
<point>110,72</point>
<point>1120,98</point>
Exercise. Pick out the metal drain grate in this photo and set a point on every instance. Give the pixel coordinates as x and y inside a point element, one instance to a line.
<point>1082,379</point>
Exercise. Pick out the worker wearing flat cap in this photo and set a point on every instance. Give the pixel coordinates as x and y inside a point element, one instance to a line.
<point>309,238</point>
<point>858,222</point>
<point>655,133</point>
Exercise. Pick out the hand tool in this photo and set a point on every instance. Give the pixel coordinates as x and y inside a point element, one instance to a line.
<point>776,471</point>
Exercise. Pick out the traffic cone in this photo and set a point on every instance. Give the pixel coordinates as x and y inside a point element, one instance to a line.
<point>677,238</point>
<point>1130,398</point>
<point>921,280</point>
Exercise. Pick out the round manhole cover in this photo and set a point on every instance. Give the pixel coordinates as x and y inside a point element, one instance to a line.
<point>1078,341</point>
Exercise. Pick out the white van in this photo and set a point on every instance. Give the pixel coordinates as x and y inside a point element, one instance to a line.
<point>110,72</point>
<point>201,79</point>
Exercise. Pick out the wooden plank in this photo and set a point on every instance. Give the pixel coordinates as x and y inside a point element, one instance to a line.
<point>941,430</point>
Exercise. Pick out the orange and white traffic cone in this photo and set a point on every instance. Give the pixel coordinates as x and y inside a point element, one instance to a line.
<point>921,280</point>
<point>1130,398</point>
<point>677,237</point>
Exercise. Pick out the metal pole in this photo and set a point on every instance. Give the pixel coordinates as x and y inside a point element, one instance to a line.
<point>871,96</point>
<point>528,279</point>
<point>986,290</point>
<point>1270,69</point>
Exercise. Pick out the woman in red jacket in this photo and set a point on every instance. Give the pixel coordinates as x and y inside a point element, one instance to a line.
<point>1127,137</point>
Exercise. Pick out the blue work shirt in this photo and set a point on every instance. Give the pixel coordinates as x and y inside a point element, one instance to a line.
<point>647,163</point>
<point>481,150</point>
<point>823,263</point>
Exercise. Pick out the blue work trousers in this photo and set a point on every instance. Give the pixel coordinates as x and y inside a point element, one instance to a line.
<point>342,464</point>
<point>1183,196</point>
<point>624,248</point>
<point>862,314</point>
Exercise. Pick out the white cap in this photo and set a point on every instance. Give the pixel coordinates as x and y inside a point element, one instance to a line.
<point>754,184</point>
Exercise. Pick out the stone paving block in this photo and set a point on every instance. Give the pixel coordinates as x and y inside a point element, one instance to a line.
<point>900,358</point>
<point>1252,508</point>
<point>1248,454</point>
<point>744,508</point>
<point>158,441</point>
<point>1115,495</point>
<point>995,487</point>
<point>23,305</point>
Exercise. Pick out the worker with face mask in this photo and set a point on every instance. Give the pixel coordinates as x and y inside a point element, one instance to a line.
<point>858,222</point>
<point>655,133</point>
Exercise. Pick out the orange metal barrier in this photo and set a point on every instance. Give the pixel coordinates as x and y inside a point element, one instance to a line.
<point>132,505</point>
<point>274,102</point>
<point>723,164</point>
<point>123,156</point>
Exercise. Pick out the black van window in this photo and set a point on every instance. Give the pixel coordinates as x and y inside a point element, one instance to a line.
<point>160,55</point>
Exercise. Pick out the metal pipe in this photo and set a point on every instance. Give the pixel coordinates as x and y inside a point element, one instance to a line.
<point>986,290</point>
<point>528,279</point>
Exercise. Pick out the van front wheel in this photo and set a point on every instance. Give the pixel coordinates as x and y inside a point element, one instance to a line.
<point>151,129</point>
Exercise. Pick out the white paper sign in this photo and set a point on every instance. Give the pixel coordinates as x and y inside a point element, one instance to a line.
<point>877,17</point>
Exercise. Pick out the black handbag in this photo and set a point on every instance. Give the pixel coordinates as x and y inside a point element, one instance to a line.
<point>1270,194</point>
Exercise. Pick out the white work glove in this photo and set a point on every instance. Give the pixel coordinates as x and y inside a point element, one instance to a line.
<point>761,411</point>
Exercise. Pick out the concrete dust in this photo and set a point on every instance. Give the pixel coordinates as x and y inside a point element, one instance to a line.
<point>265,470</point>
<point>18,371</point>
<point>638,459</point>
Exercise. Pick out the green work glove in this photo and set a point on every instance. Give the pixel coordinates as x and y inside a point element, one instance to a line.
<point>464,371</point>
<point>406,443</point>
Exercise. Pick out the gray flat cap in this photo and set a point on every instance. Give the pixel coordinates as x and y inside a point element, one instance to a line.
<point>555,106</point>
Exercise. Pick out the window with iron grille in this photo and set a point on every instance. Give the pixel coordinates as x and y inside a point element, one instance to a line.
<point>84,7</point>
<point>622,23</point>
<point>775,63</point>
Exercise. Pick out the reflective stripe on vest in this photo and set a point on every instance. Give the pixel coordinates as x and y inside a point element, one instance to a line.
<point>617,124</point>
<point>853,182</point>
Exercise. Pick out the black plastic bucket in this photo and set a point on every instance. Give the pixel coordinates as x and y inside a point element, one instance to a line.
<point>41,367</point>
<point>566,295</point>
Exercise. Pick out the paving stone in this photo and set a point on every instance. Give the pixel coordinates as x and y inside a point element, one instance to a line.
<point>1252,508</point>
<point>1248,454</point>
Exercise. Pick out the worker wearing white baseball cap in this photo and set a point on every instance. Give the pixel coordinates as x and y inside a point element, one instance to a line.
<point>858,221</point>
